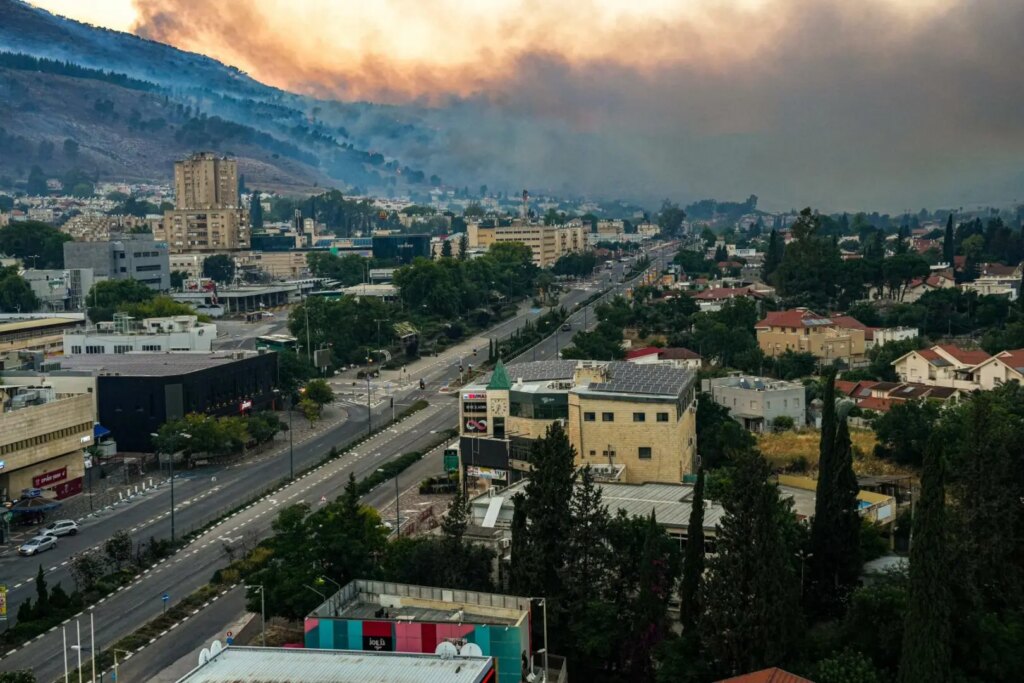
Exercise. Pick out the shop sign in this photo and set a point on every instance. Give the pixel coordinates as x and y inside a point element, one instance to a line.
<point>48,478</point>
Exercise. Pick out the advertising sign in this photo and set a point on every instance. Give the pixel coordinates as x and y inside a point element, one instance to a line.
<point>486,473</point>
<point>474,396</point>
<point>66,489</point>
<point>451,462</point>
<point>474,425</point>
<point>3,602</point>
<point>48,478</point>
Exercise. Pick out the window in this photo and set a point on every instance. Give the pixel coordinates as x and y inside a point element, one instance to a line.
<point>122,348</point>
<point>153,347</point>
<point>644,453</point>
<point>607,417</point>
<point>662,417</point>
<point>94,349</point>
<point>589,417</point>
<point>639,417</point>
<point>76,349</point>
<point>123,269</point>
<point>593,452</point>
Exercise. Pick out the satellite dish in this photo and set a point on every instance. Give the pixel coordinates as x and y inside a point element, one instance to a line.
<point>204,656</point>
<point>215,648</point>
<point>471,650</point>
<point>446,650</point>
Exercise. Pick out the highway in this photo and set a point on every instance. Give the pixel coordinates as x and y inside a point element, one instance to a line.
<point>205,494</point>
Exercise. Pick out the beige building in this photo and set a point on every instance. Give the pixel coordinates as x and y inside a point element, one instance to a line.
<point>1006,366</point>
<point>206,181</point>
<point>944,365</point>
<point>548,243</point>
<point>803,331</point>
<point>42,437</point>
<point>207,215</point>
<point>37,334</point>
<point>630,423</point>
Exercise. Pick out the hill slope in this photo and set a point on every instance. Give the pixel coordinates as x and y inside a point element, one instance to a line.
<point>175,102</point>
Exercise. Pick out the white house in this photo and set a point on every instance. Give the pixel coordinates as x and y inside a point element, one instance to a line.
<point>945,365</point>
<point>152,335</point>
<point>1007,366</point>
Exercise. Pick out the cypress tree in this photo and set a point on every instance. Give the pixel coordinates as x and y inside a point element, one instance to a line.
<point>255,211</point>
<point>948,243</point>
<point>521,574</point>
<point>835,529</point>
<point>454,524</point>
<point>748,621</point>
<point>773,255</point>
<point>42,595</point>
<point>693,560</point>
<point>927,634</point>
<point>586,549</point>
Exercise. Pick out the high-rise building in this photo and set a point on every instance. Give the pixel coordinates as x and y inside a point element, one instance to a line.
<point>208,215</point>
<point>206,181</point>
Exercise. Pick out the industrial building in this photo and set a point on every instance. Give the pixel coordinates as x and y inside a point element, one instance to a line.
<point>136,257</point>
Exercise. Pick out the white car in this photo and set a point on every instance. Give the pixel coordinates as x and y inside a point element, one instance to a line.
<point>37,544</point>
<point>62,527</point>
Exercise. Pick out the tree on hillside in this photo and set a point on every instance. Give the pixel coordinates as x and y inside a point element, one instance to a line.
<point>927,638</point>
<point>107,296</point>
<point>35,185</point>
<point>219,268</point>
<point>670,219</point>
<point>810,264</point>
<point>835,528</point>
<point>752,582</point>
<point>904,431</point>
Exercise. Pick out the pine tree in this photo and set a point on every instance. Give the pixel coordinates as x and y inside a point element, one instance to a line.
<point>927,635</point>
<point>693,560</point>
<point>657,573</point>
<point>549,495</point>
<point>752,583</point>
<point>463,247</point>
<point>586,550</point>
<point>835,528</point>
<point>948,243</point>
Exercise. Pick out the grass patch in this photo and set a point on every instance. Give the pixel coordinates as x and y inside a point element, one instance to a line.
<point>787,449</point>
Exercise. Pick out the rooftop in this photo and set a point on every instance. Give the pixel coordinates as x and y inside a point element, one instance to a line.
<point>630,378</point>
<point>295,665</point>
<point>387,601</point>
<point>151,365</point>
<point>37,323</point>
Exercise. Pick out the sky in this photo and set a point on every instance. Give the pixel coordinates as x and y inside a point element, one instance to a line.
<point>887,104</point>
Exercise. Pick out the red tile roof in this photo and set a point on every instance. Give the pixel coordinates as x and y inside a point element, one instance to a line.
<point>773,675</point>
<point>1013,358</point>
<point>792,318</point>
<point>678,353</point>
<point>879,405</point>
<point>640,353</point>
<point>850,323</point>
<point>928,354</point>
<point>965,356</point>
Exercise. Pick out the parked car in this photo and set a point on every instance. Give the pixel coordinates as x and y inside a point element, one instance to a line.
<point>62,527</point>
<point>566,327</point>
<point>37,544</point>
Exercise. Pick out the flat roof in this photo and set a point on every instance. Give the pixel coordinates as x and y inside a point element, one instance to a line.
<point>290,665</point>
<point>388,601</point>
<point>38,323</point>
<point>150,364</point>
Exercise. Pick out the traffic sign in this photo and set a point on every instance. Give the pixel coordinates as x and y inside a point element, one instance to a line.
<point>165,597</point>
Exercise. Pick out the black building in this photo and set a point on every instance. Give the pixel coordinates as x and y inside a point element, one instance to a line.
<point>137,393</point>
<point>401,249</point>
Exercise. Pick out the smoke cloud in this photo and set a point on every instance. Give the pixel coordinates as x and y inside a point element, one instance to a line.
<point>876,104</point>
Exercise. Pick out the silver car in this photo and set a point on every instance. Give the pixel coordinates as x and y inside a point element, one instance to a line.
<point>37,544</point>
<point>62,527</point>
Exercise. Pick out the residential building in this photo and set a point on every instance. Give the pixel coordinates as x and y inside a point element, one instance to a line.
<point>207,215</point>
<point>885,335</point>
<point>632,423</point>
<point>36,334</point>
<point>152,335</point>
<point>136,393</point>
<point>42,435</point>
<point>673,357</point>
<point>60,290</point>
<point>547,243</point>
<point>137,257</point>
<point>394,617</point>
<point>300,665</point>
<point>712,299</point>
<point>756,402</point>
<point>879,397</point>
<point>803,331</point>
<point>773,675</point>
<point>206,181</point>
<point>993,372</point>
<point>944,365</point>
<point>942,279</point>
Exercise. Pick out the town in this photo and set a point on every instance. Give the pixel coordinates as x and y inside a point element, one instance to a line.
<point>292,391</point>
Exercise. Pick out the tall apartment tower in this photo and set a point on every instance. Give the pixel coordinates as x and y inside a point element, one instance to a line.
<point>206,181</point>
<point>208,215</point>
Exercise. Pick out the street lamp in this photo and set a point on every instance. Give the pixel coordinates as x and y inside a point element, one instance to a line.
<point>170,471</point>
<point>398,519</point>
<point>263,612</point>
<point>291,439</point>
<point>116,650</point>
<point>320,581</point>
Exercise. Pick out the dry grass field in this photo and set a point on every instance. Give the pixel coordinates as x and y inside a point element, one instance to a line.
<point>787,448</point>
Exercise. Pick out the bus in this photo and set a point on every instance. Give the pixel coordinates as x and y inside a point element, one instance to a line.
<point>277,342</point>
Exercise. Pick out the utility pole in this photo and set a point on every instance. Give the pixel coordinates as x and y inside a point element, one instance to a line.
<point>369,409</point>
<point>291,442</point>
